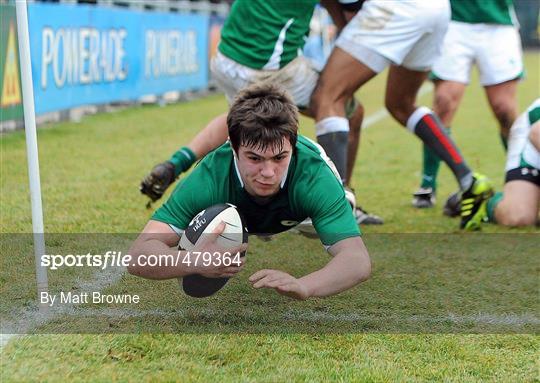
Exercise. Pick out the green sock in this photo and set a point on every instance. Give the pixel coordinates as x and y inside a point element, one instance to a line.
<point>431,166</point>
<point>492,204</point>
<point>504,141</point>
<point>182,160</point>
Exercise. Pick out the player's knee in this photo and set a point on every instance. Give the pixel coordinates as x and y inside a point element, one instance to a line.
<point>517,218</point>
<point>504,112</point>
<point>444,104</point>
<point>398,110</point>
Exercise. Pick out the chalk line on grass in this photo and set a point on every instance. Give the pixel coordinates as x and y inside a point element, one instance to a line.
<point>29,319</point>
<point>302,316</point>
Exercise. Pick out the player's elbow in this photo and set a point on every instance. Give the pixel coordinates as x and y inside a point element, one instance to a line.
<point>365,271</point>
<point>363,267</point>
<point>134,266</point>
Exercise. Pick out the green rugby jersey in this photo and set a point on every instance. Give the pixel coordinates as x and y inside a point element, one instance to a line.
<point>310,189</point>
<point>483,11</point>
<point>266,34</point>
<point>533,112</point>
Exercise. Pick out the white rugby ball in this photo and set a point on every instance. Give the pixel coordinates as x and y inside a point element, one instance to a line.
<point>204,223</point>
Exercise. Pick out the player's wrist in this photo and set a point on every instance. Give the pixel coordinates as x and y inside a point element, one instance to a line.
<point>308,291</point>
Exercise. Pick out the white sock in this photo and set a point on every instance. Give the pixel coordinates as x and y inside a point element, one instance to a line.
<point>331,125</point>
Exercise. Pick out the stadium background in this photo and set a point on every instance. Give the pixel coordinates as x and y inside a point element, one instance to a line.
<point>95,191</point>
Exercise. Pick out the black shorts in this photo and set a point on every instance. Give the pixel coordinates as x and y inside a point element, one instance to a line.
<point>524,173</point>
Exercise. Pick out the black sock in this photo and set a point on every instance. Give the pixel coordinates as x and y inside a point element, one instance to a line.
<point>429,128</point>
<point>335,145</point>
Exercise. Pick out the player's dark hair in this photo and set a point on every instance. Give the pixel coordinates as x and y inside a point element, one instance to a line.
<point>261,116</point>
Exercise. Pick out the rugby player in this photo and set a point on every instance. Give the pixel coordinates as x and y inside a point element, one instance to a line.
<point>261,40</point>
<point>276,178</point>
<point>405,35</point>
<point>519,203</point>
<point>481,32</point>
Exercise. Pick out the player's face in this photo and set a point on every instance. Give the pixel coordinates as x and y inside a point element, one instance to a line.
<point>262,170</point>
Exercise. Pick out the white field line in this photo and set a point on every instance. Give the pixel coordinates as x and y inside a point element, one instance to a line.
<point>30,319</point>
<point>480,318</point>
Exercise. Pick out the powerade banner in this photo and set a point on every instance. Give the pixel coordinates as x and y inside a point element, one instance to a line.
<point>91,55</point>
<point>10,81</point>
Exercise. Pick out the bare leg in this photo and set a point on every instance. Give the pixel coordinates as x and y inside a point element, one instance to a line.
<point>520,203</point>
<point>400,100</point>
<point>340,78</point>
<point>446,100</point>
<point>401,90</point>
<point>503,101</point>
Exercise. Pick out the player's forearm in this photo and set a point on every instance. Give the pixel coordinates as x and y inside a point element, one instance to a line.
<point>152,259</point>
<point>344,271</point>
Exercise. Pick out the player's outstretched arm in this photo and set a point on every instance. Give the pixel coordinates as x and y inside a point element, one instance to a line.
<point>155,255</point>
<point>349,266</point>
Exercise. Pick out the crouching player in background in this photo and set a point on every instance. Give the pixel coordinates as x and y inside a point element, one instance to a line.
<point>519,203</point>
<point>276,178</point>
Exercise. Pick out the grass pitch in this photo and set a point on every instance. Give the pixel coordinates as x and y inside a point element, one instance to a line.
<point>440,306</point>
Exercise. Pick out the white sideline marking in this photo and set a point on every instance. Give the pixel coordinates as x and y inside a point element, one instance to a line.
<point>510,319</point>
<point>479,318</point>
<point>30,319</point>
<point>383,113</point>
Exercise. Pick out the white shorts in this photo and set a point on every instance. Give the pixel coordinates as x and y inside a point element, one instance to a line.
<point>495,49</point>
<point>406,33</point>
<point>299,77</point>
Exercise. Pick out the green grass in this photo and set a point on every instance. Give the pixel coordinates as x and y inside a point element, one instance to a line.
<point>395,327</point>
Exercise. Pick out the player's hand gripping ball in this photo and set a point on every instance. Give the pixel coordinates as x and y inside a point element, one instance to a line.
<point>199,230</point>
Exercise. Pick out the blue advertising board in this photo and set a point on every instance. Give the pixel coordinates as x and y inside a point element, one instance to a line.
<point>90,55</point>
